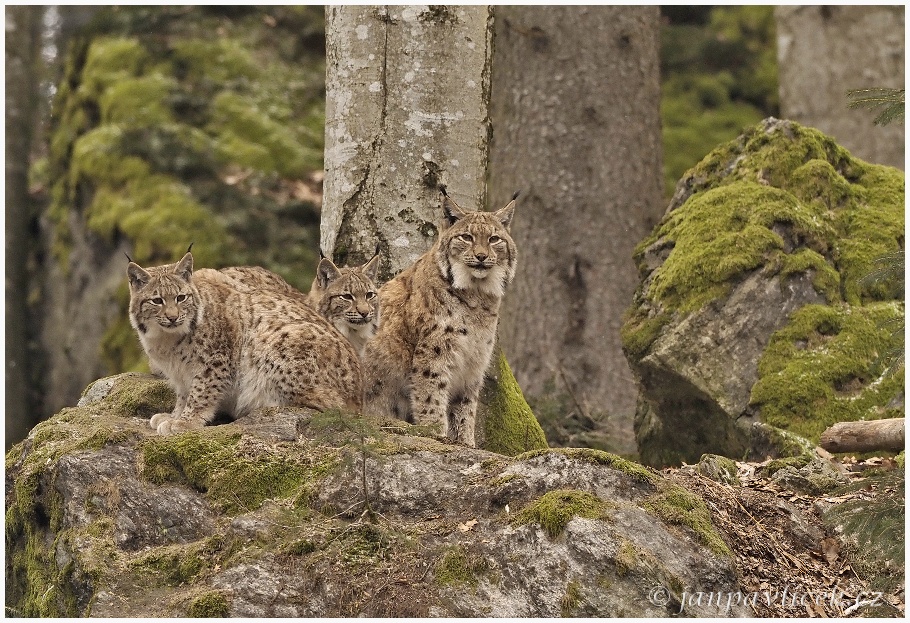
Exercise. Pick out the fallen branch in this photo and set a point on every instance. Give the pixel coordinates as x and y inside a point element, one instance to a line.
<point>865,436</point>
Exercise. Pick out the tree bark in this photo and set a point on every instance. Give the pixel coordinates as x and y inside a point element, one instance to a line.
<point>824,51</point>
<point>575,107</point>
<point>407,91</point>
<point>866,436</point>
<point>23,40</point>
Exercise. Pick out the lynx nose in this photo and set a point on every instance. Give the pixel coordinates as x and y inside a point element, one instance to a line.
<point>480,256</point>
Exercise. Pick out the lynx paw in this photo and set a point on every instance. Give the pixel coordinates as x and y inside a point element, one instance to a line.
<point>158,418</point>
<point>171,426</point>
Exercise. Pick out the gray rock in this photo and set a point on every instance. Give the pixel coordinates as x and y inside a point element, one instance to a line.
<point>105,518</point>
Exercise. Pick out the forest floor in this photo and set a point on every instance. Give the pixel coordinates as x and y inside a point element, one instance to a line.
<point>794,562</point>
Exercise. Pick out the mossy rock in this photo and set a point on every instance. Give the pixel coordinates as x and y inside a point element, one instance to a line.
<point>754,306</point>
<point>507,422</point>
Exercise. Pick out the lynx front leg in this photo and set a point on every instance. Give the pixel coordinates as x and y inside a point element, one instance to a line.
<point>463,416</point>
<point>205,394</point>
<point>430,393</point>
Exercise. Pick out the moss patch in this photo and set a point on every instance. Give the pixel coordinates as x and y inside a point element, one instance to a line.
<point>509,424</point>
<point>824,367</point>
<point>209,605</point>
<point>165,135</point>
<point>781,198</point>
<point>458,567</point>
<point>674,505</point>
<point>599,457</point>
<point>553,510</point>
<point>238,474</point>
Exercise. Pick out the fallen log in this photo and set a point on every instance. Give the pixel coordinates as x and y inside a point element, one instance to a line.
<point>865,436</point>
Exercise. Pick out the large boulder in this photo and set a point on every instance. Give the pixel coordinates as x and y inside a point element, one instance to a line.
<point>294,513</point>
<point>754,326</point>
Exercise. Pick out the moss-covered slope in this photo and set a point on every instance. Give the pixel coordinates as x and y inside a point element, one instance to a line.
<point>179,125</point>
<point>753,300</point>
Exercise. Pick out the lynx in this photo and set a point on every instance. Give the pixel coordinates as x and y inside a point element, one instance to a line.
<point>347,298</point>
<point>427,361</point>
<point>226,349</point>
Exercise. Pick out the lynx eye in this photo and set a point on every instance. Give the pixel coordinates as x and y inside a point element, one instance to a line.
<point>347,296</point>
<point>494,239</point>
<point>371,295</point>
<point>466,237</point>
<point>180,298</point>
<point>157,301</point>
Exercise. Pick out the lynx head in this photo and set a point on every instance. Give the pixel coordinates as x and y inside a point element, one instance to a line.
<point>348,298</point>
<point>475,250</point>
<point>163,298</point>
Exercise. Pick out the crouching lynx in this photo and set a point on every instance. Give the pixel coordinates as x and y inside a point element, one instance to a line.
<point>224,348</point>
<point>427,361</point>
<point>347,298</point>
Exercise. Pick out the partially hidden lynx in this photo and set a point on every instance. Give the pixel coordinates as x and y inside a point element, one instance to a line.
<point>226,347</point>
<point>426,363</point>
<point>348,298</point>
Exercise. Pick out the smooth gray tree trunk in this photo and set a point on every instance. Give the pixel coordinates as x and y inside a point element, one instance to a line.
<point>576,118</point>
<point>825,51</point>
<point>406,110</point>
<point>23,41</point>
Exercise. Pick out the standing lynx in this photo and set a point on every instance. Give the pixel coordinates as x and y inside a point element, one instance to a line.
<point>225,348</point>
<point>347,298</point>
<point>427,361</point>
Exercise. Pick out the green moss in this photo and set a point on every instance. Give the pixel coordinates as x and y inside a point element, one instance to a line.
<point>179,564</point>
<point>555,509</point>
<point>900,459</point>
<point>456,567</point>
<point>674,505</point>
<point>627,558</point>
<point>236,476</point>
<point>790,461</point>
<point>169,136</point>
<point>209,605</point>
<point>509,424</point>
<point>598,457</point>
<point>638,333</point>
<point>822,368</point>
<point>571,599</point>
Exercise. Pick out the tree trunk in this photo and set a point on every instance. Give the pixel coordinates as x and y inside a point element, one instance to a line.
<point>867,436</point>
<point>407,91</point>
<point>23,40</point>
<point>575,107</point>
<point>407,96</point>
<point>824,51</point>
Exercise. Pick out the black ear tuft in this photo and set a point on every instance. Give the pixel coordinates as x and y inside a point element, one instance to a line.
<point>321,254</point>
<point>128,257</point>
<point>190,248</point>
<point>515,196</point>
<point>442,189</point>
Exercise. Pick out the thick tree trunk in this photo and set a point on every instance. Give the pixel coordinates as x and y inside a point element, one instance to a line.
<point>575,107</point>
<point>867,436</point>
<point>23,39</point>
<point>824,51</point>
<point>406,110</point>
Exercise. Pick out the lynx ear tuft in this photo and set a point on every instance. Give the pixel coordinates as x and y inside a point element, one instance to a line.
<point>515,196</point>
<point>326,272</point>
<point>184,268</point>
<point>190,248</point>
<point>128,257</point>
<point>371,268</point>
<point>138,277</point>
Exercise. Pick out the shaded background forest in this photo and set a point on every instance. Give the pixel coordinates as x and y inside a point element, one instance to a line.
<point>148,128</point>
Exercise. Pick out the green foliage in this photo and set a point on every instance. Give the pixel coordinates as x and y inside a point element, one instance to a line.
<point>458,567</point>
<point>891,100</point>
<point>719,71</point>
<point>165,135</point>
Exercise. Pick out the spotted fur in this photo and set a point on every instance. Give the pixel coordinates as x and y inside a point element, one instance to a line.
<point>349,299</point>
<point>427,361</point>
<point>225,347</point>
